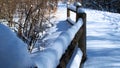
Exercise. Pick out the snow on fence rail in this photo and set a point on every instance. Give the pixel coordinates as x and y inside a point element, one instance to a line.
<point>51,56</point>
<point>79,38</point>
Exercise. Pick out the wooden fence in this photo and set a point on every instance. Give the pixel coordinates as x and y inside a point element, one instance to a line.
<point>80,36</point>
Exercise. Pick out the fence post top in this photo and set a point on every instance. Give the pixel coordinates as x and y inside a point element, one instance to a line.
<point>77,4</point>
<point>68,3</point>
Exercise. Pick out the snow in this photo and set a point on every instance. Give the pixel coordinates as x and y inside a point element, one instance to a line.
<point>45,59</point>
<point>103,32</point>
<point>103,46</point>
<point>72,7</point>
<point>53,54</point>
<point>60,35</point>
<point>78,4</point>
<point>13,52</point>
<point>75,59</point>
<point>70,21</point>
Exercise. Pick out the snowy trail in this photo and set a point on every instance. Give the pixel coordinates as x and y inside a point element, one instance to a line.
<point>103,40</point>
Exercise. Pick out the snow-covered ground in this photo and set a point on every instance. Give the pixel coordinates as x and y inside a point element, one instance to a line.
<point>103,39</point>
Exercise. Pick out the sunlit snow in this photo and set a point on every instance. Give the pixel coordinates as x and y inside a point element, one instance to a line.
<point>103,43</point>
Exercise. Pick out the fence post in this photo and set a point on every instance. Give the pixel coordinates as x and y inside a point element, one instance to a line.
<point>79,38</point>
<point>78,5</point>
<point>68,11</point>
<point>82,39</point>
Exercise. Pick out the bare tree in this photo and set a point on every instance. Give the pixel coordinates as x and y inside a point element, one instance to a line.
<point>35,16</point>
<point>32,15</point>
<point>8,8</point>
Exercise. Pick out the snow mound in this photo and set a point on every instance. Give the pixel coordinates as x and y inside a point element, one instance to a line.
<point>13,52</point>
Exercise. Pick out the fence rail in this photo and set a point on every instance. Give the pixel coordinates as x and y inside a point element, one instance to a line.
<point>79,38</point>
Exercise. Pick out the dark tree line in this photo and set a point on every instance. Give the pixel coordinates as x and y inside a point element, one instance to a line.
<point>105,5</point>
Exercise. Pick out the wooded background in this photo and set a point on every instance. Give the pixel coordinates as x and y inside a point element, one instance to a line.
<point>104,5</point>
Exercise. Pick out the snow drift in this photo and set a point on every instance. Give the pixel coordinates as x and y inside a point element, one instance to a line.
<point>13,52</point>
